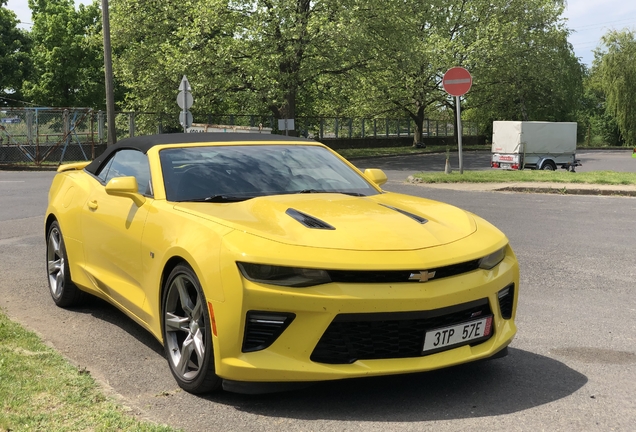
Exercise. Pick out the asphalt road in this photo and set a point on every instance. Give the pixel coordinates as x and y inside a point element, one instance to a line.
<point>571,367</point>
<point>400,167</point>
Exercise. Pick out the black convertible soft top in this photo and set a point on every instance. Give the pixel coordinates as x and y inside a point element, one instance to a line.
<point>144,143</point>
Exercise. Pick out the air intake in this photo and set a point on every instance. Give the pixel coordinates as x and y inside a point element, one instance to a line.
<point>415,217</point>
<point>390,335</point>
<point>308,221</point>
<point>263,328</point>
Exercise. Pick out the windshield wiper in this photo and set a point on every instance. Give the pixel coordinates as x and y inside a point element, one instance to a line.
<point>221,199</point>
<point>304,191</point>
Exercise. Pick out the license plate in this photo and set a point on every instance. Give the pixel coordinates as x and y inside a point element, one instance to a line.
<point>505,166</point>
<point>457,334</point>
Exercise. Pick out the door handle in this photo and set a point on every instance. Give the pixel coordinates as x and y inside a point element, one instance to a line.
<point>92,204</point>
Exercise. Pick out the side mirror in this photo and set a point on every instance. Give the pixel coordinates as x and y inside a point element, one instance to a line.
<point>377,176</point>
<point>125,187</point>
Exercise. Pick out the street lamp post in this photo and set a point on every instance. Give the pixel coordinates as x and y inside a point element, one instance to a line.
<point>108,73</point>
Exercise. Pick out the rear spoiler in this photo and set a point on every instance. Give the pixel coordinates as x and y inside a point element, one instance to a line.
<point>73,166</point>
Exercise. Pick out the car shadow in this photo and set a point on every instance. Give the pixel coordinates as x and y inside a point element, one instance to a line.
<point>104,311</point>
<point>520,381</point>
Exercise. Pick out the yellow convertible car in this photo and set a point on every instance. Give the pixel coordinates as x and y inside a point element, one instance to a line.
<point>268,260</point>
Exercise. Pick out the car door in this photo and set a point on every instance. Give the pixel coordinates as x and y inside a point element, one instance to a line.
<point>112,228</point>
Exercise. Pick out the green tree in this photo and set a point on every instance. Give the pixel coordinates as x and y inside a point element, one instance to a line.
<point>67,55</point>
<point>263,56</point>
<point>154,46</point>
<point>289,46</point>
<point>409,49</point>
<point>596,125</point>
<point>616,63</point>
<point>516,50</point>
<point>526,69</point>
<point>14,56</point>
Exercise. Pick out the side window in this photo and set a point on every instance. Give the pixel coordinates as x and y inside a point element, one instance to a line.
<point>104,171</point>
<point>128,163</point>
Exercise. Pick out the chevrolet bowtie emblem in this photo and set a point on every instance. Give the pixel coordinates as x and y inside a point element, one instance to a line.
<point>422,276</point>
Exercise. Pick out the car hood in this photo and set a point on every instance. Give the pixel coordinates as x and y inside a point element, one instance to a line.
<point>382,222</point>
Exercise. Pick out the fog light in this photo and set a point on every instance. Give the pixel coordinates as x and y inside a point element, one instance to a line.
<point>506,299</point>
<point>263,328</point>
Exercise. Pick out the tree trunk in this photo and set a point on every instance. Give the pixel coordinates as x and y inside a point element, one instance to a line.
<point>418,118</point>
<point>289,110</point>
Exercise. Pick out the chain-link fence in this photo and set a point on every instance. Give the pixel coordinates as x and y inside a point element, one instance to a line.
<point>327,128</point>
<point>38,135</point>
<point>335,127</point>
<point>45,135</point>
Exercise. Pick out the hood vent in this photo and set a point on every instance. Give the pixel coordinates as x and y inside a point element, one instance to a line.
<point>418,219</point>
<point>308,221</point>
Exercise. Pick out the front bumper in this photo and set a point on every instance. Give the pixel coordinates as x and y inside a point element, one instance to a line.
<point>289,357</point>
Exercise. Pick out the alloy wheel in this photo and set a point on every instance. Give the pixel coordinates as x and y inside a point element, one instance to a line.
<point>184,327</point>
<point>55,262</point>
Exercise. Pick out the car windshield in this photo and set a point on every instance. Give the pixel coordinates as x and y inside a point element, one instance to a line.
<point>237,173</point>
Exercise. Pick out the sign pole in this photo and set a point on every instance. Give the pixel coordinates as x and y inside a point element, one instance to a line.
<point>108,74</point>
<point>185,123</point>
<point>457,81</point>
<point>459,134</point>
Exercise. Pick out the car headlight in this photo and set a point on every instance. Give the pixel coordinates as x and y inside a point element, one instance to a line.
<point>493,259</point>
<point>283,276</point>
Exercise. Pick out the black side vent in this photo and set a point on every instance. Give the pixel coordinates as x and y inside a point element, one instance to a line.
<point>263,328</point>
<point>415,217</point>
<point>506,301</point>
<point>308,221</point>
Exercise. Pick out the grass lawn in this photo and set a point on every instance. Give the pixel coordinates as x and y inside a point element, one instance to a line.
<point>502,176</point>
<point>41,391</point>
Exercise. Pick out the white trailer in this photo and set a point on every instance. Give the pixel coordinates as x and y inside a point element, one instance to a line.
<point>534,145</point>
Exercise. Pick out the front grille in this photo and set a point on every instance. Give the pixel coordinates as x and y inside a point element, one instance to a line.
<point>506,300</point>
<point>370,336</point>
<point>263,328</point>
<point>396,276</point>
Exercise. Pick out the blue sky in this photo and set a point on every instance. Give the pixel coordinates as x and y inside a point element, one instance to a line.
<point>589,20</point>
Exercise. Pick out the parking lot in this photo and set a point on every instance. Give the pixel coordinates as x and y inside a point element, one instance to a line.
<point>571,367</point>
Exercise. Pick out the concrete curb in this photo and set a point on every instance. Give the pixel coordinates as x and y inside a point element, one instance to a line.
<point>530,187</point>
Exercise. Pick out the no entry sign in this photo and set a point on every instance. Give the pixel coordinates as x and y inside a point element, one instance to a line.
<point>457,81</point>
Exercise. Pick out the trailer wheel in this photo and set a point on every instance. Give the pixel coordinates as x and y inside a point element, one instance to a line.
<point>548,166</point>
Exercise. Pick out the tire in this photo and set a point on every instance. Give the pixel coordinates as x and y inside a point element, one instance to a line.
<point>548,166</point>
<point>64,292</point>
<point>187,333</point>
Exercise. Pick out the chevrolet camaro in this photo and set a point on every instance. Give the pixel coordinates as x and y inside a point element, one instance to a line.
<point>266,260</point>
